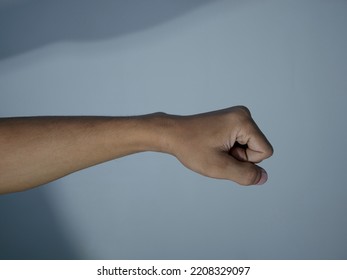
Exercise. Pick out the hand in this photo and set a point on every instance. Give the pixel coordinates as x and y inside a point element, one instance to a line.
<point>223,144</point>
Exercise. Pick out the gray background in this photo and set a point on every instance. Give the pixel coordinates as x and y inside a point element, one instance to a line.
<point>286,60</point>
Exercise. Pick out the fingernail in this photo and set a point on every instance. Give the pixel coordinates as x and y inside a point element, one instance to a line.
<point>263,177</point>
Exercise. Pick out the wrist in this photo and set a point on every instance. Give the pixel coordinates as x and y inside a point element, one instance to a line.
<point>161,130</point>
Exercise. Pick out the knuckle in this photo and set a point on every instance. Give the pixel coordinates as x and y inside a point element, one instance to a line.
<point>269,152</point>
<point>242,116</point>
<point>243,110</point>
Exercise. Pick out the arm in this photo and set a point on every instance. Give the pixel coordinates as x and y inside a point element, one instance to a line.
<point>223,144</point>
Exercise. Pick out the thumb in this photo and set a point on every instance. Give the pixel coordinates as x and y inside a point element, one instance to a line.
<point>245,173</point>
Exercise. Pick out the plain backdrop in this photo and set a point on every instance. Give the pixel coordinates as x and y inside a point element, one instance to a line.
<point>284,59</point>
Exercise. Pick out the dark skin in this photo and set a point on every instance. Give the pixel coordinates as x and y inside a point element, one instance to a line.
<point>224,144</point>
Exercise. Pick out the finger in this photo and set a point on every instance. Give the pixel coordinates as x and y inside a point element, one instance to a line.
<point>258,147</point>
<point>239,152</point>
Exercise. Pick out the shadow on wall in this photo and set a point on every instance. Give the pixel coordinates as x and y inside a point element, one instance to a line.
<point>29,24</point>
<point>30,229</point>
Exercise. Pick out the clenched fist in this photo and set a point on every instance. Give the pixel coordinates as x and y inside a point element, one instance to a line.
<point>225,144</point>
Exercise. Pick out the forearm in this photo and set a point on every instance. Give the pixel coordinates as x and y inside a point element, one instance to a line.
<point>35,151</point>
